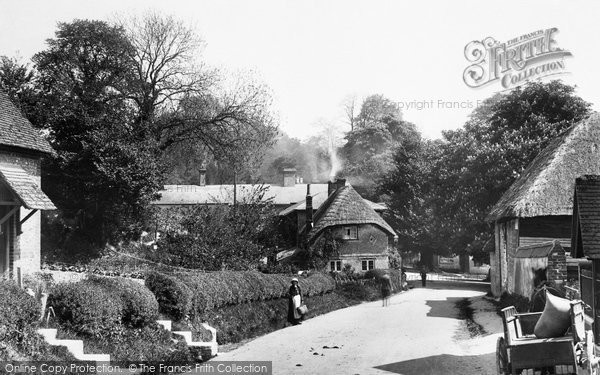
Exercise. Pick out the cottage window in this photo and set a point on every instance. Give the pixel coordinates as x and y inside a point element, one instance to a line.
<point>368,264</point>
<point>335,265</point>
<point>351,233</point>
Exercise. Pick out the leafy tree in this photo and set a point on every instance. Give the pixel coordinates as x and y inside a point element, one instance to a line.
<point>479,162</point>
<point>219,237</point>
<point>104,172</point>
<point>122,105</point>
<point>369,149</point>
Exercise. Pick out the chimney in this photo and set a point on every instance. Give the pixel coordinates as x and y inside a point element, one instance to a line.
<point>309,209</point>
<point>332,186</point>
<point>289,177</point>
<point>202,181</point>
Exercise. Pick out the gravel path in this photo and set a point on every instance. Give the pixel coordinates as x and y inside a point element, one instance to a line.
<point>420,332</point>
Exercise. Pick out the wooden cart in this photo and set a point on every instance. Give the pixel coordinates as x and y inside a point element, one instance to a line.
<point>519,349</point>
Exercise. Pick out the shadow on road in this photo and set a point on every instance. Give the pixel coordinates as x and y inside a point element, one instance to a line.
<point>444,308</point>
<point>442,364</point>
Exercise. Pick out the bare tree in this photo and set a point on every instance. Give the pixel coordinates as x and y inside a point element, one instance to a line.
<point>182,101</point>
<point>164,53</point>
<point>349,107</point>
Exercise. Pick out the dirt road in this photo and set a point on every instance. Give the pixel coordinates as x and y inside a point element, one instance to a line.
<point>422,331</point>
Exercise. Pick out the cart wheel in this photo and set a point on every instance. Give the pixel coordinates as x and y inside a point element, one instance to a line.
<point>502,365</point>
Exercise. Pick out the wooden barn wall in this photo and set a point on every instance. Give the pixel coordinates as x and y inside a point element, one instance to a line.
<point>523,274</point>
<point>502,259</point>
<point>512,243</point>
<point>546,226</point>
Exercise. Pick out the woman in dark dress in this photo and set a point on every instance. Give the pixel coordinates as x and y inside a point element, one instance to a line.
<point>294,301</point>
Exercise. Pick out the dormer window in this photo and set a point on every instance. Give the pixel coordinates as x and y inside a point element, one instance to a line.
<point>350,232</point>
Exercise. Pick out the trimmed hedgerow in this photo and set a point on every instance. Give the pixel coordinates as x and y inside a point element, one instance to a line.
<point>18,309</point>
<point>138,304</point>
<point>87,308</point>
<point>173,296</point>
<point>377,274</point>
<point>211,290</point>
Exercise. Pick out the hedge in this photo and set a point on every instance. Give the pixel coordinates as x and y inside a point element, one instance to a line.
<point>377,274</point>
<point>173,296</point>
<point>211,290</point>
<point>18,309</point>
<point>86,307</point>
<point>19,317</point>
<point>139,307</point>
<point>101,306</point>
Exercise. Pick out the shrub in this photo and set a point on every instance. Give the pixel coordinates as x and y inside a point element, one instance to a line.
<point>138,304</point>
<point>18,309</point>
<point>19,341</point>
<point>377,274</point>
<point>173,296</point>
<point>87,307</point>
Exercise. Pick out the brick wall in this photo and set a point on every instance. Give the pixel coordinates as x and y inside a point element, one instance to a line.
<point>372,244</point>
<point>557,268</point>
<point>25,249</point>
<point>371,240</point>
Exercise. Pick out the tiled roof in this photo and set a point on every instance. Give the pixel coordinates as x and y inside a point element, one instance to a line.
<point>17,131</point>
<point>223,194</point>
<point>587,207</point>
<point>345,207</point>
<point>25,188</point>
<point>540,250</point>
<point>545,188</point>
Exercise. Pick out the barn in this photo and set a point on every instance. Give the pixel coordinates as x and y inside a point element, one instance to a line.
<point>538,206</point>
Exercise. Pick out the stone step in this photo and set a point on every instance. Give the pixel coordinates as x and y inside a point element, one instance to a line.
<point>75,347</point>
<point>207,349</point>
<point>166,324</point>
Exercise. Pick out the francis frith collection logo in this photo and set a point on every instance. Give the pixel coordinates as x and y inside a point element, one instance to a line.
<point>530,56</point>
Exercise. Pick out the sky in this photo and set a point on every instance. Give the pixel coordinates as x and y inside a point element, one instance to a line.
<point>316,54</point>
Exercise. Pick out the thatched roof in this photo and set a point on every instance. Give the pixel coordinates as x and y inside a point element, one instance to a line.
<point>346,207</point>
<point>546,187</point>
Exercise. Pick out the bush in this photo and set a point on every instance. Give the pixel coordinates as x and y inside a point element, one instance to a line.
<point>19,341</point>
<point>173,296</point>
<point>210,290</point>
<point>87,308</point>
<point>18,309</point>
<point>216,289</point>
<point>138,304</point>
<point>395,276</point>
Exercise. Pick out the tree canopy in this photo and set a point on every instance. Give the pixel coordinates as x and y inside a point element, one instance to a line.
<point>117,102</point>
<point>477,163</point>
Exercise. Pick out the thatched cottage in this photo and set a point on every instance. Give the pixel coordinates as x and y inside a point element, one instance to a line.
<point>538,206</point>
<point>362,236</point>
<point>21,198</point>
<point>308,212</point>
